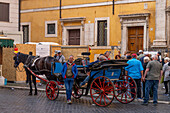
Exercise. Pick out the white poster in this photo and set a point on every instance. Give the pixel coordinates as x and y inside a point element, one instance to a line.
<point>43,50</point>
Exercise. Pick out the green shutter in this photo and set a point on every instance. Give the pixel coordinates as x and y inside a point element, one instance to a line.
<point>6,43</point>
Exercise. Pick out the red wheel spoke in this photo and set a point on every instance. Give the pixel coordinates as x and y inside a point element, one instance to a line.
<point>100,83</point>
<point>107,97</point>
<point>97,85</point>
<point>129,84</point>
<point>95,88</point>
<point>125,97</point>
<point>122,96</point>
<point>119,94</point>
<point>104,100</point>
<point>101,98</point>
<point>96,93</point>
<point>97,97</point>
<point>131,92</point>
<point>121,83</point>
<point>118,89</point>
<point>106,85</point>
<point>108,89</point>
<point>129,95</point>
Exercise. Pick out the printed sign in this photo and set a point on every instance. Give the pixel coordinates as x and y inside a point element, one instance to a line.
<point>43,50</point>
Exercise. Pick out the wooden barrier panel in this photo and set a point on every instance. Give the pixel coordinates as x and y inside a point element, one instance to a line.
<point>53,48</point>
<point>8,70</point>
<point>73,50</point>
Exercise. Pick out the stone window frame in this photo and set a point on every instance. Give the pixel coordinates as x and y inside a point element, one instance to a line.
<point>65,29</point>
<point>66,34</point>
<point>46,28</point>
<point>108,30</point>
<point>29,24</point>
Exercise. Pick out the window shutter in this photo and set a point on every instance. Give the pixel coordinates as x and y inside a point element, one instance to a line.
<point>89,34</point>
<point>4,12</point>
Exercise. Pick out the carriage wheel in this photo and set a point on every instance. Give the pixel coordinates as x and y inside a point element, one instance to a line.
<point>77,92</point>
<point>102,91</point>
<point>52,90</point>
<point>125,89</point>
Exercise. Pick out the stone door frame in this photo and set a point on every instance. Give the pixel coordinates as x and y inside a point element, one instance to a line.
<point>134,20</point>
<point>168,26</point>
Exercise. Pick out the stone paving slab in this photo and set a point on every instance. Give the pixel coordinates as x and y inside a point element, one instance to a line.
<point>162,98</point>
<point>18,101</point>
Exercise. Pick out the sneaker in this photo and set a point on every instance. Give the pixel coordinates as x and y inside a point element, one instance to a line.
<point>84,86</point>
<point>69,102</point>
<point>155,104</point>
<point>139,99</point>
<point>144,103</point>
<point>166,92</point>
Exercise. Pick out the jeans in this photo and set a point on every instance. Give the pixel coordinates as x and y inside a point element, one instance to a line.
<point>151,91</point>
<point>69,85</point>
<point>148,85</point>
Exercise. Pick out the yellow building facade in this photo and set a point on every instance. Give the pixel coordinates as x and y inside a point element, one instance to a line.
<point>102,24</point>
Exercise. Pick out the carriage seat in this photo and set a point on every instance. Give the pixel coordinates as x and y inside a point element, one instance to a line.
<point>56,68</point>
<point>82,75</point>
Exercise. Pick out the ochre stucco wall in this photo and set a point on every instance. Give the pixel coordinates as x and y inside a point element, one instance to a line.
<point>38,19</point>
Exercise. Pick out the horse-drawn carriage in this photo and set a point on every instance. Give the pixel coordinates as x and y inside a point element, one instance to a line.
<point>107,80</point>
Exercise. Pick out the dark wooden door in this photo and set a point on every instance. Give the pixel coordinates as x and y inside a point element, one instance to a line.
<point>74,37</point>
<point>135,39</point>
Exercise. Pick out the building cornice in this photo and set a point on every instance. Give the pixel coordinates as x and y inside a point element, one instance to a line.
<point>85,5</point>
<point>73,19</point>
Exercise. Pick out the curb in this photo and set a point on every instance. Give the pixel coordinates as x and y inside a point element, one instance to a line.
<point>64,92</point>
<point>27,88</point>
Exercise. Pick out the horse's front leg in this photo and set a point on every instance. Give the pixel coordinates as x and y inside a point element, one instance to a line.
<point>30,82</point>
<point>34,81</point>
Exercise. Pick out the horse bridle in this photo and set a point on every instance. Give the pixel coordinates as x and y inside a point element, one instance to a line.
<point>17,68</point>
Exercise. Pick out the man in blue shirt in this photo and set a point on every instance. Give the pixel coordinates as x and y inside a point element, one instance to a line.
<point>135,70</point>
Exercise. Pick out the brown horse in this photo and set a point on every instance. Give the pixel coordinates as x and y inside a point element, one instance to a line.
<point>41,66</point>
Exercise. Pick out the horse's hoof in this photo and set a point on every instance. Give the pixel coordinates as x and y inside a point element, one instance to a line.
<point>30,94</point>
<point>35,94</point>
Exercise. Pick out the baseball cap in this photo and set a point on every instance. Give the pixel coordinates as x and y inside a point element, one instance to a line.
<point>59,51</point>
<point>134,55</point>
<point>140,51</point>
<point>56,51</point>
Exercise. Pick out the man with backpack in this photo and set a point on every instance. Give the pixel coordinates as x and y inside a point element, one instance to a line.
<point>69,73</point>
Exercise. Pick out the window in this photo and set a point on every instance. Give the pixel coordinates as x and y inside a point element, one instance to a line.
<point>102,33</point>
<point>4,12</point>
<point>25,29</point>
<point>51,29</point>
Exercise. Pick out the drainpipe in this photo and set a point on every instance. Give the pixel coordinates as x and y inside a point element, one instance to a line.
<point>19,18</point>
<point>60,9</point>
<point>113,7</point>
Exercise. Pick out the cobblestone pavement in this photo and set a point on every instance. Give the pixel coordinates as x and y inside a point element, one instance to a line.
<point>18,101</point>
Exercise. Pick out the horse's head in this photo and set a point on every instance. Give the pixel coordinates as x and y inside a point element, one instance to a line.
<point>16,60</point>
